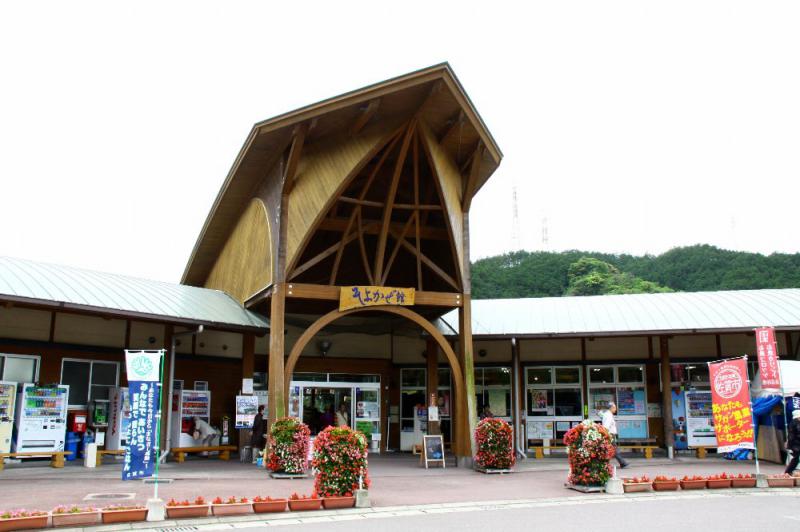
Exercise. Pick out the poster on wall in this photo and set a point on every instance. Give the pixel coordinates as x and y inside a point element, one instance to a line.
<point>730,392</point>
<point>246,410</point>
<point>443,401</point>
<point>699,419</point>
<point>630,402</point>
<point>601,399</point>
<point>540,430</point>
<point>497,403</point>
<point>632,428</point>
<point>679,420</point>
<point>538,400</point>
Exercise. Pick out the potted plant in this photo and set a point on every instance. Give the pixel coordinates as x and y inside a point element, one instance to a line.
<point>74,515</point>
<point>720,481</point>
<point>263,505</point>
<point>288,446</point>
<point>302,503</point>
<point>22,520</point>
<point>589,447</point>
<point>495,444</point>
<point>695,482</point>
<point>184,509</point>
<point>231,506</point>
<point>123,514</point>
<point>662,483</point>
<point>340,459</point>
<point>783,480</point>
<point>636,484</point>
<point>743,480</point>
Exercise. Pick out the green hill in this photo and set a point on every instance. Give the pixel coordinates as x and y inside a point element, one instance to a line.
<point>686,269</point>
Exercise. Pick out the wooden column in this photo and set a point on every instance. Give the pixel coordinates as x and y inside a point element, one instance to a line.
<point>468,413</point>
<point>432,357</point>
<point>666,393</point>
<point>518,393</point>
<point>248,356</point>
<point>584,380</point>
<point>789,348</point>
<point>277,393</point>
<point>168,332</point>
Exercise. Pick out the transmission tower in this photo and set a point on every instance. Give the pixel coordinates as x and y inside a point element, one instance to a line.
<point>545,235</point>
<point>515,243</point>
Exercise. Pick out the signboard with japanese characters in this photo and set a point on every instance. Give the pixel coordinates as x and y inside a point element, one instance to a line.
<point>369,296</point>
<point>144,376</point>
<point>730,395</point>
<point>246,410</point>
<point>768,366</point>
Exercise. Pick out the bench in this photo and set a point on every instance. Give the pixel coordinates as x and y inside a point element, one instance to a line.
<point>102,452</point>
<point>647,449</point>
<point>702,452</point>
<point>56,457</point>
<point>224,451</point>
<point>539,450</point>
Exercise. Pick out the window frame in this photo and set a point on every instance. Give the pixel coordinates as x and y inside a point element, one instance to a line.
<point>616,385</point>
<point>37,362</point>
<point>91,363</point>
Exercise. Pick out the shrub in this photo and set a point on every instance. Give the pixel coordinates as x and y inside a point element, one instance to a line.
<point>495,444</point>
<point>288,446</point>
<point>590,450</point>
<point>340,458</point>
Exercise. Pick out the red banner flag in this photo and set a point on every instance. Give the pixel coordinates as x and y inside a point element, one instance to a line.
<point>730,398</point>
<point>768,366</point>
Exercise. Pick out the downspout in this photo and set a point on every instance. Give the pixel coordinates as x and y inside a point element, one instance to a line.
<point>168,445</point>
<point>519,427</point>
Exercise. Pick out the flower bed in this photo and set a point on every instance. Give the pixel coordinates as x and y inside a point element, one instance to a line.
<point>304,503</point>
<point>694,482</point>
<point>340,458</point>
<point>784,480</point>
<point>265,505</point>
<point>288,446</point>
<point>637,484</point>
<point>495,445</point>
<point>590,450</point>
<point>23,520</point>
<point>185,509</point>
<point>123,514</point>
<point>74,515</point>
<point>231,506</point>
<point>662,483</point>
<point>743,481</point>
<point>723,480</point>
<point>334,503</point>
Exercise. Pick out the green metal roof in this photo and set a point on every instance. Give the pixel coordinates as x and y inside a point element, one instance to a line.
<point>40,284</point>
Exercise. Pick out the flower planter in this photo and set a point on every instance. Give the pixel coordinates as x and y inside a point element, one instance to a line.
<point>780,482</point>
<point>332,503</point>
<point>666,485</point>
<point>237,508</point>
<point>719,483</point>
<point>266,507</point>
<point>634,487</point>
<point>124,516</point>
<point>185,512</point>
<point>24,523</point>
<point>304,505</point>
<point>77,519</point>
<point>744,482</point>
<point>693,484</point>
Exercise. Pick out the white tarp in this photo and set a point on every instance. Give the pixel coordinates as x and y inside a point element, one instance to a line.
<point>790,380</point>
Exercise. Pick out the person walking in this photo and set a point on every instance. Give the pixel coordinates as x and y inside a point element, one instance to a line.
<point>793,443</point>
<point>342,417</point>
<point>610,424</point>
<point>257,438</point>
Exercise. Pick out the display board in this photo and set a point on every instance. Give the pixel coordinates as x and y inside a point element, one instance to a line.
<point>540,430</point>
<point>246,410</point>
<point>631,428</point>
<point>699,419</point>
<point>433,449</point>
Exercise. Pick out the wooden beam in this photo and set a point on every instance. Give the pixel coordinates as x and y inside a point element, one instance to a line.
<point>414,216</point>
<point>454,130</point>
<point>380,204</point>
<point>331,293</point>
<point>363,248</point>
<point>298,139</point>
<point>666,393</point>
<point>365,115</point>
<point>127,334</point>
<point>322,256</point>
<point>418,221</point>
<point>373,227</point>
<point>387,212</point>
<point>427,261</point>
<point>53,326</point>
<point>472,179</point>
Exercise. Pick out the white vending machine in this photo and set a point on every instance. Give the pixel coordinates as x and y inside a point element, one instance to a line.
<point>186,404</point>
<point>119,415</point>
<point>8,395</point>
<point>41,423</point>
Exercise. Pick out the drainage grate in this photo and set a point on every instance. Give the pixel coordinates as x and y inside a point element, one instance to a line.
<point>178,529</point>
<point>157,480</point>
<point>102,496</point>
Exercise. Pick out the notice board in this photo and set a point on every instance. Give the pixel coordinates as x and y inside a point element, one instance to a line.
<point>433,449</point>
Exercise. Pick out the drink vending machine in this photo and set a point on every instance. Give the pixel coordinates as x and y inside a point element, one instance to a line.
<point>41,421</point>
<point>8,394</point>
<point>119,416</point>
<point>186,405</point>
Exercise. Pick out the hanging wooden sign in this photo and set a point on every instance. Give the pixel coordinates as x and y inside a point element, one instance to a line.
<point>369,296</point>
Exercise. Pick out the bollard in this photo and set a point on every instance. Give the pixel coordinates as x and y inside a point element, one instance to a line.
<point>156,510</point>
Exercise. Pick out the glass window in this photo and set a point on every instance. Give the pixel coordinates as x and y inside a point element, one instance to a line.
<point>349,377</point>
<point>697,373</point>
<point>568,402</point>
<point>601,375</point>
<point>600,398</point>
<point>104,373</point>
<point>75,373</point>
<point>19,369</point>
<point>540,375</point>
<point>409,399</point>
<point>497,376</point>
<point>412,377</point>
<point>568,375</point>
<point>444,377</point>
<point>630,374</point>
<point>310,377</point>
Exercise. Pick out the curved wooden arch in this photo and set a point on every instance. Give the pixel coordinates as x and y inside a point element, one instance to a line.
<point>299,345</point>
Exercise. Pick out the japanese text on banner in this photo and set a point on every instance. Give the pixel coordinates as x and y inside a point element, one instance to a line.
<point>140,458</point>
<point>768,364</point>
<point>368,296</point>
<point>730,396</point>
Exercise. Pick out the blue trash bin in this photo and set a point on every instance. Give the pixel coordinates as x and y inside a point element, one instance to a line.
<point>71,445</point>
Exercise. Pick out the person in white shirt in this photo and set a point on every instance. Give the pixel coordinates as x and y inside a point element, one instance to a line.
<point>610,424</point>
<point>342,417</point>
<point>204,432</point>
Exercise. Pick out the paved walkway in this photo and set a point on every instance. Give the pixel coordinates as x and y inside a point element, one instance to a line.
<point>397,480</point>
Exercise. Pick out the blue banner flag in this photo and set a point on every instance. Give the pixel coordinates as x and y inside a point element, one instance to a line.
<point>141,456</point>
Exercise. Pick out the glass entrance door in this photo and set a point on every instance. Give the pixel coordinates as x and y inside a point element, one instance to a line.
<point>324,406</point>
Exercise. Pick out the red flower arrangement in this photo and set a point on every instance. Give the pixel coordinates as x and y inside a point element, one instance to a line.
<point>288,446</point>
<point>340,458</point>
<point>638,480</point>
<point>662,478</point>
<point>295,497</point>
<point>494,440</point>
<point>590,450</point>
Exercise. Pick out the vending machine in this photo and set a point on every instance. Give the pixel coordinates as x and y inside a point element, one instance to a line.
<point>186,405</point>
<point>41,423</point>
<point>8,395</point>
<point>119,415</point>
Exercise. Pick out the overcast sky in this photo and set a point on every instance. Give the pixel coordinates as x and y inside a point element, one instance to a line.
<point>628,126</point>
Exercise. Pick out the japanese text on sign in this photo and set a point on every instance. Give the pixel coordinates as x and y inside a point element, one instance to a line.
<point>768,365</point>
<point>730,395</point>
<point>140,458</point>
<point>368,296</point>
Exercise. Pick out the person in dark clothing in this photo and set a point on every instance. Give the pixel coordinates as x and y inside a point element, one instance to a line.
<point>793,443</point>
<point>257,439</point>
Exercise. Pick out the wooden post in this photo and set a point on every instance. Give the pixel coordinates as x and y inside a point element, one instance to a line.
<point>518,393</point>
<point>168,332</point>
<point>248,355</point>
<point>277,393</point>
<point>468,413</point>
<point>584,380</point>
<point>432,355</point>
<point>666,393</point>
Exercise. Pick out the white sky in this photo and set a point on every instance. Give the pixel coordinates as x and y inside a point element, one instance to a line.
<point>630,126</point>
